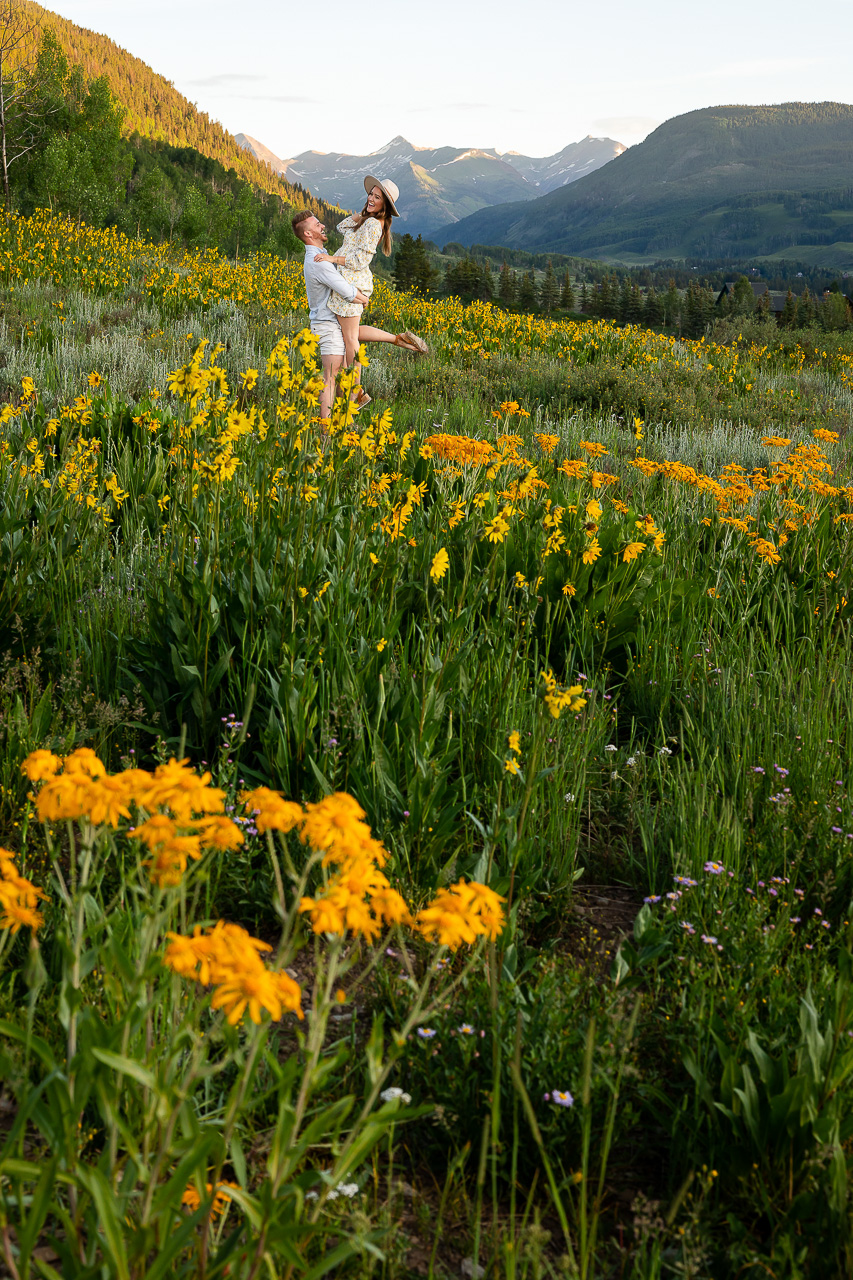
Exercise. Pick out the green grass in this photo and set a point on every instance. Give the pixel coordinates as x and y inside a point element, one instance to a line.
<point>711,1125</point>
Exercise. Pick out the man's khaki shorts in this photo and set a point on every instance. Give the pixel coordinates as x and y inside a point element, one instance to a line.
<point>331,337</point>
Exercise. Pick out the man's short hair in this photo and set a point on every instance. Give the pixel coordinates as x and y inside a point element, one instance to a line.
<point>297,220</point>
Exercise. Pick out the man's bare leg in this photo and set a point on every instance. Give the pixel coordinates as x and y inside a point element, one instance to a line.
<point>331,369</point>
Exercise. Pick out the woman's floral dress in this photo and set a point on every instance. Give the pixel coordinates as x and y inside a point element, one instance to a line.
<point>358,248</point>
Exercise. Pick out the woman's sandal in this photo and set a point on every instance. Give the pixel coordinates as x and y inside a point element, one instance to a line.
<point>411,342</point>
<point>418,343</point>
<point>359,399</point>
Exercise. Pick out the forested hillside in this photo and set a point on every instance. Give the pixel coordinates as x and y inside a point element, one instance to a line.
<point>92,132</point>
<point>154,108</point>
<point>722,182</point>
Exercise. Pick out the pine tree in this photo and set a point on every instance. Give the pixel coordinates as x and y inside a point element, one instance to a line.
<point>672,307</point>
<point>527,292</point>
<point>549,290</point>
<point>698,306</point>
<point>507,288</point>
<point>404,262</point>
<point>789,314</point>
<point>423,272</point>
<point>567,295</point>
<point>634,310</point>
<point>584,299</point>
<point>805,309</point>
<point>743,298</point>
<point>605,299</point>
<point>653,309</point>
<point>624,304</point>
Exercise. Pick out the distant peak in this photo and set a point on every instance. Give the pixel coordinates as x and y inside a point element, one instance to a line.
<point>395,144</point>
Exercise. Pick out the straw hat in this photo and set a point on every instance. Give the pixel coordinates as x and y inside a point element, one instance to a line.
<point>389,189</point>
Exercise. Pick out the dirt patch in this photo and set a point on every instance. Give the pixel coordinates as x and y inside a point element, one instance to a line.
<point>600,917</point>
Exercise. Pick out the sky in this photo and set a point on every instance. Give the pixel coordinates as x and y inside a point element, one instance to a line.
<point>529,77</point>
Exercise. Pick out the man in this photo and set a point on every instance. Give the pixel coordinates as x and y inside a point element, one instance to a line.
<point>321,280</point>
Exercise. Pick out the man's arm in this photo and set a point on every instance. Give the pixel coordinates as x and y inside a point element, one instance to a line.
<point>327,275</point>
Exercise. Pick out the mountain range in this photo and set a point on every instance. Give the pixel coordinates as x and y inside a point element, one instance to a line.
<point>732,181</point>
<point>438,185</point>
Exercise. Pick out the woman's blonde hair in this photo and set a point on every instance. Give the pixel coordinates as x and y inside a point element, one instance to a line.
<point>384,218</point>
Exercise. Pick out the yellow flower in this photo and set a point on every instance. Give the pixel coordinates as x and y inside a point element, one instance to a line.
<point>256,990</point>
<point>632,551</point>
<point>381,645</point>
<point>593,509</point>
<point>592,552</point>
<point>569,589</point>
<point>460,914</point>
<point>192,1200</point>
<point>271,811</point>
<point>94,380</point>
<point>374,559</point>
<point>497,529</point>
<point>249,378</point>
<point>439,566</point>
<point>767,551</point>
<point>515,742</point>
<point>511,765</point>
<point>18,898</point>
<point>41,764</point>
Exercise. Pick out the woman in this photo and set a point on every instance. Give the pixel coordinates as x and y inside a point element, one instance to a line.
<point>363,232</point>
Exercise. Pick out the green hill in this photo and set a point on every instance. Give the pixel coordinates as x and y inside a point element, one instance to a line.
<point>729,182</point>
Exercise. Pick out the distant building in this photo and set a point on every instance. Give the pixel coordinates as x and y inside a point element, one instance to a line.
<point>777,298</point>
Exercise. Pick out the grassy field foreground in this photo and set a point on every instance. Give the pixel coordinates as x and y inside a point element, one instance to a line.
<point>551,646</point>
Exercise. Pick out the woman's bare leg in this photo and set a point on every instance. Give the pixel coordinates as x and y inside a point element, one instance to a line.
<point>367,333</point>
<point>349,328</point>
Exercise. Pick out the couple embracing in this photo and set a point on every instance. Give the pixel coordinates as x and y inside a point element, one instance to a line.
<point>339,286</point>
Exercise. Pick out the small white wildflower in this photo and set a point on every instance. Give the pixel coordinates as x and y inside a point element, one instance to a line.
<point>614,775</point>
<point>631,761</point>
<point>664,751</point>
<point>390,1095</point>
<point>610,747</point>
<point>569,798</point>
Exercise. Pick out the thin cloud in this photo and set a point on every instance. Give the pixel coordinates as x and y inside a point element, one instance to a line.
<point>765,66</point>
<point>631,125</point>
<point>224,80</point>
<point>451,106</point>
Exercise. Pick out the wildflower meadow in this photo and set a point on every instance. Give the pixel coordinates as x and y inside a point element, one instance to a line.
<point>427,834</point>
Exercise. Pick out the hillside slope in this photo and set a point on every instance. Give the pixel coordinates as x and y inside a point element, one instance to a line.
<point>723,181</point>
<point>156,110</point>
<point>442,184</point>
